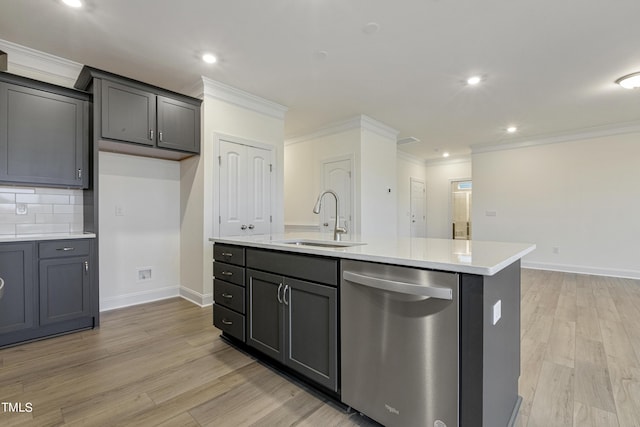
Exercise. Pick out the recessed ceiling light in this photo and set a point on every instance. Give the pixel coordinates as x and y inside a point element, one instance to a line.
<point>209,58</point>
<point>72,3</point>
<point>630,81</point>
<point>371,28</point>
<point>512,129</point>
<point>474,80</point>
<point>445,154</point>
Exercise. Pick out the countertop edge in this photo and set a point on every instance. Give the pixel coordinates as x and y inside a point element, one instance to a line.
<point>39,237</point>
<point>434,265</point>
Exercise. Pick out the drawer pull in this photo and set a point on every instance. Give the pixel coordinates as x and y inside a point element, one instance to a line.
<point>66,249</point>
<point>227,322</point>
<point>228,296</point>
<point>1,287</point>
<point>226,254</point>
<point>227,273</point>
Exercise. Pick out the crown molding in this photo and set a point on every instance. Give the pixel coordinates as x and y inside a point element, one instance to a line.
<point>411,158</point>
<point>589,133</point>
<point>28,62</point>
<point>448,161</point>
<point>241,98</point>
<point>358,122</point>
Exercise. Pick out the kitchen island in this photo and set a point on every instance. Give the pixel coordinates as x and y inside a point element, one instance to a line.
<point>406,331</point>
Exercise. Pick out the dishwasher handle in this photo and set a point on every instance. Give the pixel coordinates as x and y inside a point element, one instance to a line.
<point>399,287</point>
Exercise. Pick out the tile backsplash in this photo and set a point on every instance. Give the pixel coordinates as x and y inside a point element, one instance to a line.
<point>39,210</point>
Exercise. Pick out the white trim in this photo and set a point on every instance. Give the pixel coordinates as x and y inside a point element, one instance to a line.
<point>447,161</point>
<point>23,60</point>
<point>135,298</point>
<point>241,98</point>
<point>581,269</point>
<point>589,133</point>
<point>203,300</point>
<point>358,122</point>
<point>410,158</point>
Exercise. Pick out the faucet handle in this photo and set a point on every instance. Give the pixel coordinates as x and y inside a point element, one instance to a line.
<point>341,230</point>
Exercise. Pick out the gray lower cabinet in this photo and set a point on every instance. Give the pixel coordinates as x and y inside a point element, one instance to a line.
<point>16,294</point>
<point>294,322</point>
<point>47,289</point>
<point>43,133</point>
<point>229,290</point>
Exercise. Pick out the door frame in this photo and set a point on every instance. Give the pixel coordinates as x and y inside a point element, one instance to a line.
<point>450,196</point>
<point>355,224</point>
<point>217,137</point>
<point>424,183</point>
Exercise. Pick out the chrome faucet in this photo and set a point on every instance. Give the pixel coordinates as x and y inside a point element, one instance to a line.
<point>337,230</point>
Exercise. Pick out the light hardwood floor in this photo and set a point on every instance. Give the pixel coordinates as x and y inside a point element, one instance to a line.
<point>163,364</point>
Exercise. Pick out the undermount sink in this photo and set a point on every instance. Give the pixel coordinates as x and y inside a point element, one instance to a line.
<point>319,243</point>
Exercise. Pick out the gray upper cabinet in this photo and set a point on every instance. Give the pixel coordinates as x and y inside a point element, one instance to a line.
<point>43,134</point>
<point>16,295</point>
<point>128,114</point>
<point>178,125</point>
<point>154,122</point>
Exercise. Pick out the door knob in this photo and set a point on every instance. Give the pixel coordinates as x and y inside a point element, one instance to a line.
<point>326,224</point>
<point>251,226</point>
<point>243,227</point>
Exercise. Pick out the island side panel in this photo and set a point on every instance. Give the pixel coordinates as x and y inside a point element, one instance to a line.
<point>501,347</point>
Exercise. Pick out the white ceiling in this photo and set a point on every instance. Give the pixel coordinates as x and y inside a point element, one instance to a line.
<point>548,65</point>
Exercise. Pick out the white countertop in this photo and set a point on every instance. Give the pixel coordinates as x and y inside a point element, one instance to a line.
<point>464,256</point>
<point>48,236</point>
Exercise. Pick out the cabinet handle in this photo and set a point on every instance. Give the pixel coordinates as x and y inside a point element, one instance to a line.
<point>243,227</point>
<point>251,226</point>
<point>1,287</point>
<point>151,134</point>
<point>227,273</point>
<point>86,266</point>
<point>79,173</point>
<point>227,322</point>
<point>279,298</point>
<point>160,136</point>
<point>66,249</point>
<point>284,294</point>
<point>226,254</point>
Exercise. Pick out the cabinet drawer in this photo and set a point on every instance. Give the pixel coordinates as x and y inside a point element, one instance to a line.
<point>227,253</point>
<point>228,273</point>
<point>64,248</point>
<point>308,267</point>
<point>231,296</point>
<point>228,321</point>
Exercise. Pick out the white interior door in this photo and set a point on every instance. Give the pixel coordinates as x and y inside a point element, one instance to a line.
<point>336,176</point>
<point>418,208</point>
<point>245,189</point>
<point>461,209</point>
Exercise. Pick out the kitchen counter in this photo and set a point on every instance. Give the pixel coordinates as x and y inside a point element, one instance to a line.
<point>48,236</point>
<point>465,256</point>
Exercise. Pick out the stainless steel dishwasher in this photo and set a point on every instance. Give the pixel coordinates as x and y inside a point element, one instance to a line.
<point>399,340</point>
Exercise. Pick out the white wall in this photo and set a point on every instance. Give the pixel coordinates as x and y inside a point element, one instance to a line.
<point>439,176</point>
<point>303,173</point>
<point>378,189</point>
<point>199,180</point>
<point>147,234</point>
<point>581,197</point>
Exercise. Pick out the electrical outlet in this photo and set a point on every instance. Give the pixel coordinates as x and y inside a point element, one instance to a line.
<point>556,250</point>
<point>497,311</point>
<point>144,274</point>
<point>21,209</point>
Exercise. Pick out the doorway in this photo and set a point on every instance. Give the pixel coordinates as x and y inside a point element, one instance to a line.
<point>336,176</point>
<point>418,207</point>
<point>461,192</point>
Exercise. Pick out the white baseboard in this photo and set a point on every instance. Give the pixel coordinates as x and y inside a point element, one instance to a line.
<point>581,269</point>
<point>120,301</point>
<point>203,300</point>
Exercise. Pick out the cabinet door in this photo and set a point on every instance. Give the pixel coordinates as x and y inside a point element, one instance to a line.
<point>128,113</point>
<point>16,296</point>
<point>311,331</point>
<point>178,125</point>
<point>64,289</point>
<point>42,137</point>
<point>265,313</point>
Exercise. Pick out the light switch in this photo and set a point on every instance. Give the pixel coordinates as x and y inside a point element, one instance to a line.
<point>119,210</point>
<point>497,311</point>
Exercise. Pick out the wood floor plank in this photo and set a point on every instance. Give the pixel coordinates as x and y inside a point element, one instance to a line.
<point>163,364</point>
